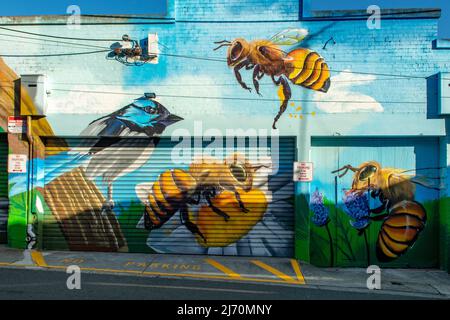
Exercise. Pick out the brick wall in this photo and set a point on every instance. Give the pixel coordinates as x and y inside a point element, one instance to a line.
<point>236,10</point>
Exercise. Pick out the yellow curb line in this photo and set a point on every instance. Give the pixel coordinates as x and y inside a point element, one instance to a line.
<point>38,258</point>
<point>198,276</point>
<point>298,271</point>
<point>224,269</point>
<point>276,272</point>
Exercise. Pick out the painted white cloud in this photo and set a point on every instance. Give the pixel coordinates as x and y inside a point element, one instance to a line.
<point>98,99</point>
<point>341,90</point>
<point>78,101</point>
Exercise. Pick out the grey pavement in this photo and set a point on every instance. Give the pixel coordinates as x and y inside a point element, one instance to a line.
<point>293,278</point>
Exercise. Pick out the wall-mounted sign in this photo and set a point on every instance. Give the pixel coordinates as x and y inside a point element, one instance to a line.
<point>303,171</point>
<point>17,124</point>
<point>17,163</point>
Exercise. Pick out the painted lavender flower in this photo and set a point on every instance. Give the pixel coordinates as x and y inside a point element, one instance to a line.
<point>320,217</point>
<point>357,207</point>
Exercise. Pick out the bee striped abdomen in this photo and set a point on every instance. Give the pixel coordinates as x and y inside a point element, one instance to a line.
<point>400,229</point>
<point>308,69</point>
<point>168,194</point>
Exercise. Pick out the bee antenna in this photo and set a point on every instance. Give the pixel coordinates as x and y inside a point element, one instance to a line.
<point>222,45</point>
<point>223,41</point>
<point>345,169</point>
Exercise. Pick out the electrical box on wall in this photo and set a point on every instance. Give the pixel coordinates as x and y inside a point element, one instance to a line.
<point>37,90</point>
<point>444,93</point>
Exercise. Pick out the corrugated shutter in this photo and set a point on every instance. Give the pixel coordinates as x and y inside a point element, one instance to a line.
<point>77,189</point>
<point>4,203</point>
<point>419,156</point>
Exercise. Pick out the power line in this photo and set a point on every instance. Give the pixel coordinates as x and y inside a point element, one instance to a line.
<point>237,98</point>
<point>48,42</point>
<point>51,55</point>
<point>187,56</point>
<point>59,37</point>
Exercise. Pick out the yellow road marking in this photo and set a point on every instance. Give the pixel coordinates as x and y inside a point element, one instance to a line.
<point>162,274</point>
<point>274,271</point>
<point>38,258</point>
<point>222,268</point>
<point>298,271</point>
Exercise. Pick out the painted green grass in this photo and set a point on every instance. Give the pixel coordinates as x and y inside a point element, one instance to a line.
<point>128,219</point>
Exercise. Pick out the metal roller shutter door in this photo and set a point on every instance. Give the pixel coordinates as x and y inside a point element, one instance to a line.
<point>4,203</point>
<point>77,189</point>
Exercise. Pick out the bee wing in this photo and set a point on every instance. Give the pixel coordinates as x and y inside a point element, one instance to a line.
<point>428,182</point>
<point>289,37</point>
<point>143,190</point>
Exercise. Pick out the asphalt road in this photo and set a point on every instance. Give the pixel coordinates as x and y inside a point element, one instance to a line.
<point>49,285</point>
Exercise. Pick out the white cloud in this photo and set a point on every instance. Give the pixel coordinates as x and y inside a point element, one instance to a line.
<point>78,100</point>
<point>98,99</point>
<point>341,91</point>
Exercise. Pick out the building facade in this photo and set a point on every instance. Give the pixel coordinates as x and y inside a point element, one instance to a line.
<point>147,134</point>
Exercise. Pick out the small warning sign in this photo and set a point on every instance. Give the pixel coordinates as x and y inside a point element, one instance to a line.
<point>17,125</point>
<point>17,163</point>
<point>303,171</point>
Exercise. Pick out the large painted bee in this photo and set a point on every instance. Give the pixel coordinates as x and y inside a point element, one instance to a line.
<point>176,189</point>
<point>301,66</point>
<point>403,217</point>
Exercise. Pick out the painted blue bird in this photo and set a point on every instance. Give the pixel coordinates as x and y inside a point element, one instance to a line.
<point>109,157</point>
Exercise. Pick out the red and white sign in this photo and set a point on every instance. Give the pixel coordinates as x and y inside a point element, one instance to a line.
<point>17,163</point>
<point>303,171</point>
<point>17,125</point>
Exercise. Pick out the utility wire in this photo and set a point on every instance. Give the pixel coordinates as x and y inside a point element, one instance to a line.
<point>59,37</point>
<point>211,59</point>
<point>53,41</point>
<point>182,56</point>
<point>47,42</point>
<point>51,55</point>
<point>237,98</point>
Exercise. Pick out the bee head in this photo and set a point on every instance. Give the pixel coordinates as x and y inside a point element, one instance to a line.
<point>241,171</point>
<point>238,51</point>
<point>366,176</point>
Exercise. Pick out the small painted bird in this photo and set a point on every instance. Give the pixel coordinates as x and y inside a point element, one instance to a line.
<point>109,160</point>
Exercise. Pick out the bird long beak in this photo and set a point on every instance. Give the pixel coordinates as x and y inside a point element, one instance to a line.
<point>171,119</point>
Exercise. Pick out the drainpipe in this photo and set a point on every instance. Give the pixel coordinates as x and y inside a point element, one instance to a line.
<point>31,236</point>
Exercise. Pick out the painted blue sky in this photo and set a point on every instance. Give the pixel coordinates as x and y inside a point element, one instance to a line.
<point>444,23</point>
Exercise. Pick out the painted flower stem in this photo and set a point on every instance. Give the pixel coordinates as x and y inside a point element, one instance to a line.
<point>331,246</point>
<point>367,247</point>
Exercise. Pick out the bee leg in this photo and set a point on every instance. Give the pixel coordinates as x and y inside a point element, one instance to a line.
<point>241,204</point>
<point>241,65</point>
<point>257,75</point>
<point>195,201</point>
<point>189,224</point>
<point>215,209</point>
<point>285,96</point>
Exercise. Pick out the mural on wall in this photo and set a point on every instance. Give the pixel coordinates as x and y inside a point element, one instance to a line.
<point>403,217</point>
<point>216,206</point>
<point>94,191</point>
<point>144,117</point>
<point>378,194</point>
<point>301,66</point>
<point>227,188</point>
<point>131,52</point>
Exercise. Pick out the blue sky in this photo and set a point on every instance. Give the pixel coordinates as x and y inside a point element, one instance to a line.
<point>140,7</point>
<point>444,23</point>
<point>41,7</point>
